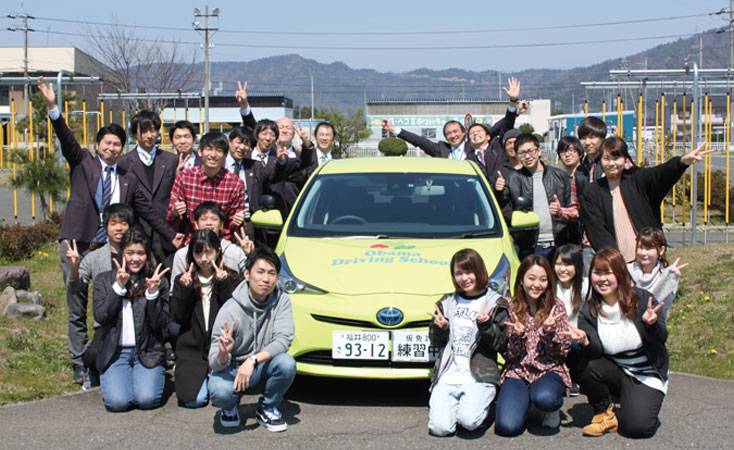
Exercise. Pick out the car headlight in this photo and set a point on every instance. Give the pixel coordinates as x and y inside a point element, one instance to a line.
<point>290,284</point>
<point>499,281</point>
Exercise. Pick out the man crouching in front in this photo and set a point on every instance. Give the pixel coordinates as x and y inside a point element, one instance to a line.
<point>250,340</point>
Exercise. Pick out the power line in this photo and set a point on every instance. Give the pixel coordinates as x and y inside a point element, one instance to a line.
<point>399,33</point>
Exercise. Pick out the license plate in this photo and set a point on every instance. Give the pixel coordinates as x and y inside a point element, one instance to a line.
<point>412,346</point>
<point>360,345</point>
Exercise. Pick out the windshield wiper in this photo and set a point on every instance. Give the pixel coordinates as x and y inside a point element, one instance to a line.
<point>475,234</point>
<point>376,236</point>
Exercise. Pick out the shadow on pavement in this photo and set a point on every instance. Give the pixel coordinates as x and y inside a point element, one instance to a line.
<point>351,392</point>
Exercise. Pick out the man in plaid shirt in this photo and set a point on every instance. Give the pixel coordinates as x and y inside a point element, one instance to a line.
<point>209,181</point>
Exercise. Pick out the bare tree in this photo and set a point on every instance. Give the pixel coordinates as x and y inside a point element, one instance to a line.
<point>141,65</point>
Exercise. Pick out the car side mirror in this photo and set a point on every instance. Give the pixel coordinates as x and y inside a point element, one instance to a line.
<point>524,230</point>
<point>271,219</point>
<point>267,202</point>
<point>522,204</point>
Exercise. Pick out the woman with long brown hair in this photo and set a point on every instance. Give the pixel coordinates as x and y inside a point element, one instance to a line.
<point>623,339</point>
<point>535,370</point>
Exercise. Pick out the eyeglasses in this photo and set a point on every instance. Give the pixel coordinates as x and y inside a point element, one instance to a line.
<point>529,152</point>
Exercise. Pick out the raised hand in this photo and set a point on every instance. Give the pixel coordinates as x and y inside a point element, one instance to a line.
<point>675,268</point>
<point>226,341</point>
<point>304,134</point>
<point>550,322</point>
<point>72,254</point>
<point>219,271</point>
<point>244,241</point>
<point>576,334</point>
<point>388,126</point>
<point>241,94</point>
<point>651,314</point>
<point>438,319</point>
<point>515,325</point>
<point>121,277</point>
<point>47,92</point>
<point>555,207</point>
<point>500,184</point>
<point>695,156</point>
<point>186,277</point>
<point>179,208</point>
<point>513,88</point>
<point>281,152</point>
<point>153,282</point>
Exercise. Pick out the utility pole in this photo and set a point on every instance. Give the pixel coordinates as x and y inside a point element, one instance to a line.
<point>25,29</point>
<point>206,29</point>
<point>312,99</point>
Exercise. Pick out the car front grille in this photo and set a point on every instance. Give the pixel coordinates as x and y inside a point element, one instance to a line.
<point>368,325</point>
<point>323,357</point>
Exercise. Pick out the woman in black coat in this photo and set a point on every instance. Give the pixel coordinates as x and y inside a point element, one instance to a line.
<point>641,191</point>
<point>130,307</point>
<point>198,293</point>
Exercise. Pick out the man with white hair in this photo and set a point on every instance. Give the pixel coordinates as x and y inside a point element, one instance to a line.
<point>285,139</point>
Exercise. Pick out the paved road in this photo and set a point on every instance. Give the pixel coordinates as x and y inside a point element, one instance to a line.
<point>325,413</point>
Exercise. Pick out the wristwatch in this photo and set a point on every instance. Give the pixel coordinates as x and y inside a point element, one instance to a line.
<point>253,358</point>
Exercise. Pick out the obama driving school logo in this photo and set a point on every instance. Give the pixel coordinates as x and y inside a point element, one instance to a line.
<point>389,253</point>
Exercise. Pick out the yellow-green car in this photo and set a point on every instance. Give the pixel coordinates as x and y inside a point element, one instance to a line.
<point>366,253</point>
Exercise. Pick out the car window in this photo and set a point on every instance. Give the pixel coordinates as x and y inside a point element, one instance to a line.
<point>395,205</point>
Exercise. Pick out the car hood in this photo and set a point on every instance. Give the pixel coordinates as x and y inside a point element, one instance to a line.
<point>359,266</point>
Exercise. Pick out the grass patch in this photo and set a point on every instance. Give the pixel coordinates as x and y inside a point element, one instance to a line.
<point>34,361</point>
<point>701,323</point>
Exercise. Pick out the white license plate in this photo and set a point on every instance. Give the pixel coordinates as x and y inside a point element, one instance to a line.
<point>412,346</point>
<point>360,345</point>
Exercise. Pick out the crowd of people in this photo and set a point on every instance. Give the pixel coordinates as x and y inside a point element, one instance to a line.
<point>178,270</point>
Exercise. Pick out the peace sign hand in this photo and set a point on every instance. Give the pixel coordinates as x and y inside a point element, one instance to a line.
<point>513,88</point>
<point>72,253</point>
<point>244,241</point>
<point>515,325</point>
<point>651,314</point>
<point>241,94</point>
<point>47,92</point>
<point>122,277</point>
<point>438,319</point>
<point>550,322</point>
<point>154,282</point>
<point>696,155</point>
<point>675,268</point>
<point>219,271</point>
<point>576,334</point>
<point>226,342</point>
<point>304,134</point>
<point>186,277</point>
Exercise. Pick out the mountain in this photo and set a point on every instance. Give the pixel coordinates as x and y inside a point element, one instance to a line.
<point>337,85</point>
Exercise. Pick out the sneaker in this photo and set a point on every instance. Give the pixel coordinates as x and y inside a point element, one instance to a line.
<point>551,419</point>
<point>574,391</point>
<point>230,418</point>
<point>271,419</point>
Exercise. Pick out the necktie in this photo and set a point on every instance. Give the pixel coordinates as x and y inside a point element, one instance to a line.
<point>261,157</point>
<point>480,157</point>
<point>322,159</point>
<point>103,200</point>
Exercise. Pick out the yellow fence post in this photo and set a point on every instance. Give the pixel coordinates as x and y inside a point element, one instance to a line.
<point>707,118</point>
<point>662,149</point>
<point>710,156</point>
<point>84,123</point>
<point>639,129</point>
<point>13,144</point>
<point>586,109</point>
<point>727,133</point>
<point>691,197</point>
<point>101,114</point>
<point>2,143</point>
<point>31,155</point>
<point>675,140</point>
<point>657,133</point>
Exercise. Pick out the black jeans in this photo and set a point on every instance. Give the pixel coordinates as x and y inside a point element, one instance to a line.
<point>639,404</point>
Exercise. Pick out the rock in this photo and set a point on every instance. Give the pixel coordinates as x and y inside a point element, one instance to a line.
<point>7,298</point>
<point>27,310</point>
<point>34,298</point>
<point>15,276</point>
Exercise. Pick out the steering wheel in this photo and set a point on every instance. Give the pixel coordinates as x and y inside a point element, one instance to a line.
<point>349,217</point>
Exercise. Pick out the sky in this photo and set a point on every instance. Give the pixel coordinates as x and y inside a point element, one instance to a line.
<point>421,29</point>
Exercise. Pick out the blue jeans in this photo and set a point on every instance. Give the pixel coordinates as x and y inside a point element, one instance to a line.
<point>271,379</point>
<point>466,404</point>
<point>128,383</point>
<point>202,398</point>
<point>515,396</point>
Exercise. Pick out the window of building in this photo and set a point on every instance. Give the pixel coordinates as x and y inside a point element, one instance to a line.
<point>429,133</point>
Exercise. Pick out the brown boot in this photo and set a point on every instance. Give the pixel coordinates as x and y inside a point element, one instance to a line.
<point>604,422</point>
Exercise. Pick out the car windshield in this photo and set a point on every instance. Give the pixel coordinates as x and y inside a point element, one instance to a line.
<point>396,205</point>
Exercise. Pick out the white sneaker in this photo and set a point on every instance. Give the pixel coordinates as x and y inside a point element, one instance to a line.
<point>551,419</point>
<point>229,418</point>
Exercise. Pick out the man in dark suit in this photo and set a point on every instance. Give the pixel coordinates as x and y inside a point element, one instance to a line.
<point>183,137</point>
<point>96,182</point>
<point>155,170</point>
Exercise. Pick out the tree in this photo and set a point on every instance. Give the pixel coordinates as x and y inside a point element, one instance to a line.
<point>40,113</point>
<point>392,146</point>
<point>140,65</point>
<point>41,176</point>
<point>349,129</point>
<point>526,128</point>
